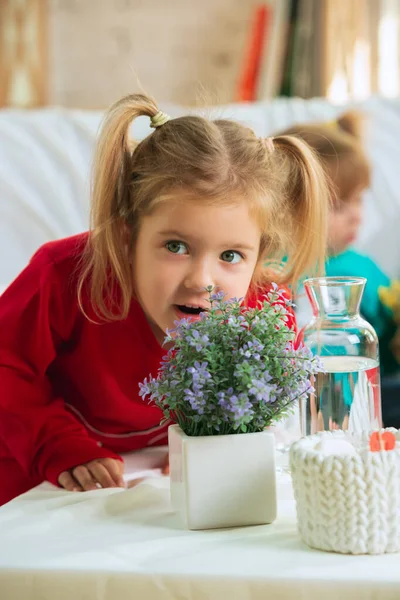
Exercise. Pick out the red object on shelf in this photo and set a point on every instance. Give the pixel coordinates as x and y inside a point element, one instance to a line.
<point>247,85</point>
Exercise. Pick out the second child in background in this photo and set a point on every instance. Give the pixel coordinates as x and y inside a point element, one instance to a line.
<point>339,146</point>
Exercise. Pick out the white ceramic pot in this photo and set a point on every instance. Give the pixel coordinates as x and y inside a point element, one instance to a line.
<point>222,480</point>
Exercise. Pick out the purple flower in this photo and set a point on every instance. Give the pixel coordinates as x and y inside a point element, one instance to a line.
<point>144,389</point>
<point>261,390</point>
<point>199,371</point>
<point>305,387</point>
<point>217,296</point>
<point>236,321</point>
<point>197,341</point>
<point>237,406</point>
<point>197,401</point>
<point>252,349</point>
<point>149,388</point>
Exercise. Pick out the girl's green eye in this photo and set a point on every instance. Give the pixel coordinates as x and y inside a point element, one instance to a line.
<point>231,256</point>
<point>176,247</point>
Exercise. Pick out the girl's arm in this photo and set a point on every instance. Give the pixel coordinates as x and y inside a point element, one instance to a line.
<point>34,315</point>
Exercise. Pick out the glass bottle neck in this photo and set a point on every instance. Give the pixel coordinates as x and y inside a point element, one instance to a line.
<point>335,298</point>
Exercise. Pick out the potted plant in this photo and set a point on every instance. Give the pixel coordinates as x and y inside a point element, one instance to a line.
<point>228,375</point>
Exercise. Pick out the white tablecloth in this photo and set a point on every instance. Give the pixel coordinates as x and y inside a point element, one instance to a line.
<point>127,544</point>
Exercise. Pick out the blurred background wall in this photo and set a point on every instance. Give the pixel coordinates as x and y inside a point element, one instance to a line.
<point>86,53</point>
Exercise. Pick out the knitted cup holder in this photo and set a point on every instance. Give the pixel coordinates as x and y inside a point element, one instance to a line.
<point>347,503</point>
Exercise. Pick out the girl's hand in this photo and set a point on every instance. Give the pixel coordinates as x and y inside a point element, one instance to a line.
<point>102,472</point>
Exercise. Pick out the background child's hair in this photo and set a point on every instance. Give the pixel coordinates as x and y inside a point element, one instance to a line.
<point>200,160</point>
<point>339,146</point>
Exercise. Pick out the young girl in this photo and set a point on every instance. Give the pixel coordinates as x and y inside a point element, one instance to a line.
<point>338,144</point>
<point>196,204</point>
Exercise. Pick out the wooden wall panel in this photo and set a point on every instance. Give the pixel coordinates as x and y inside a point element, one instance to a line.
<point>23,53</point>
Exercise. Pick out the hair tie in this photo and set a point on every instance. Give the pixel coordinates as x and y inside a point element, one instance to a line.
<point>268,143</point>
<point>159,119</point>
<point>332,124</point>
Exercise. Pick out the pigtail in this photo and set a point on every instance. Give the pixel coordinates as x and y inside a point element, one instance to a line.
<point>106,260</point>
<point>307,196</point>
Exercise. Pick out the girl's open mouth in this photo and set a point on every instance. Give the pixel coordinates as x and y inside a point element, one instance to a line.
<point>190,310</point>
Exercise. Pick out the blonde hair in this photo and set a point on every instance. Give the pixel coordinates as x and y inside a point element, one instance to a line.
<point>339,146</point>
<point>209,161</point>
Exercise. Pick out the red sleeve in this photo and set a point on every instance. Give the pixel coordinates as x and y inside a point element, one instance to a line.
<point>254,298</point>
<point>39,432</point>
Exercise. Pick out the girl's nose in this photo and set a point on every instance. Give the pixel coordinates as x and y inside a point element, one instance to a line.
<point>199,276</point>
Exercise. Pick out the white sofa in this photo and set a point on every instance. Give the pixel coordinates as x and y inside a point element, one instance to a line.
<point>45,158</point>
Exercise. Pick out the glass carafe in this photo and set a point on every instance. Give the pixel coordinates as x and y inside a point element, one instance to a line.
<point>347,394</point>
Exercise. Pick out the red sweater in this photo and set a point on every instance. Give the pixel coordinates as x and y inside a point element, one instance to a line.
<point>68,387</point>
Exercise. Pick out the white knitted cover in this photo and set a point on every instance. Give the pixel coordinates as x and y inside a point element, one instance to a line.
<point>347,504</point>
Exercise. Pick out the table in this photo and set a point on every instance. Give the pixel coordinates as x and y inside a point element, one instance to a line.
<point>121,544</point>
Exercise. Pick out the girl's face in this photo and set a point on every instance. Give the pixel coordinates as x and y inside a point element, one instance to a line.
<point>344,222</point>
<point>182,248</point>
